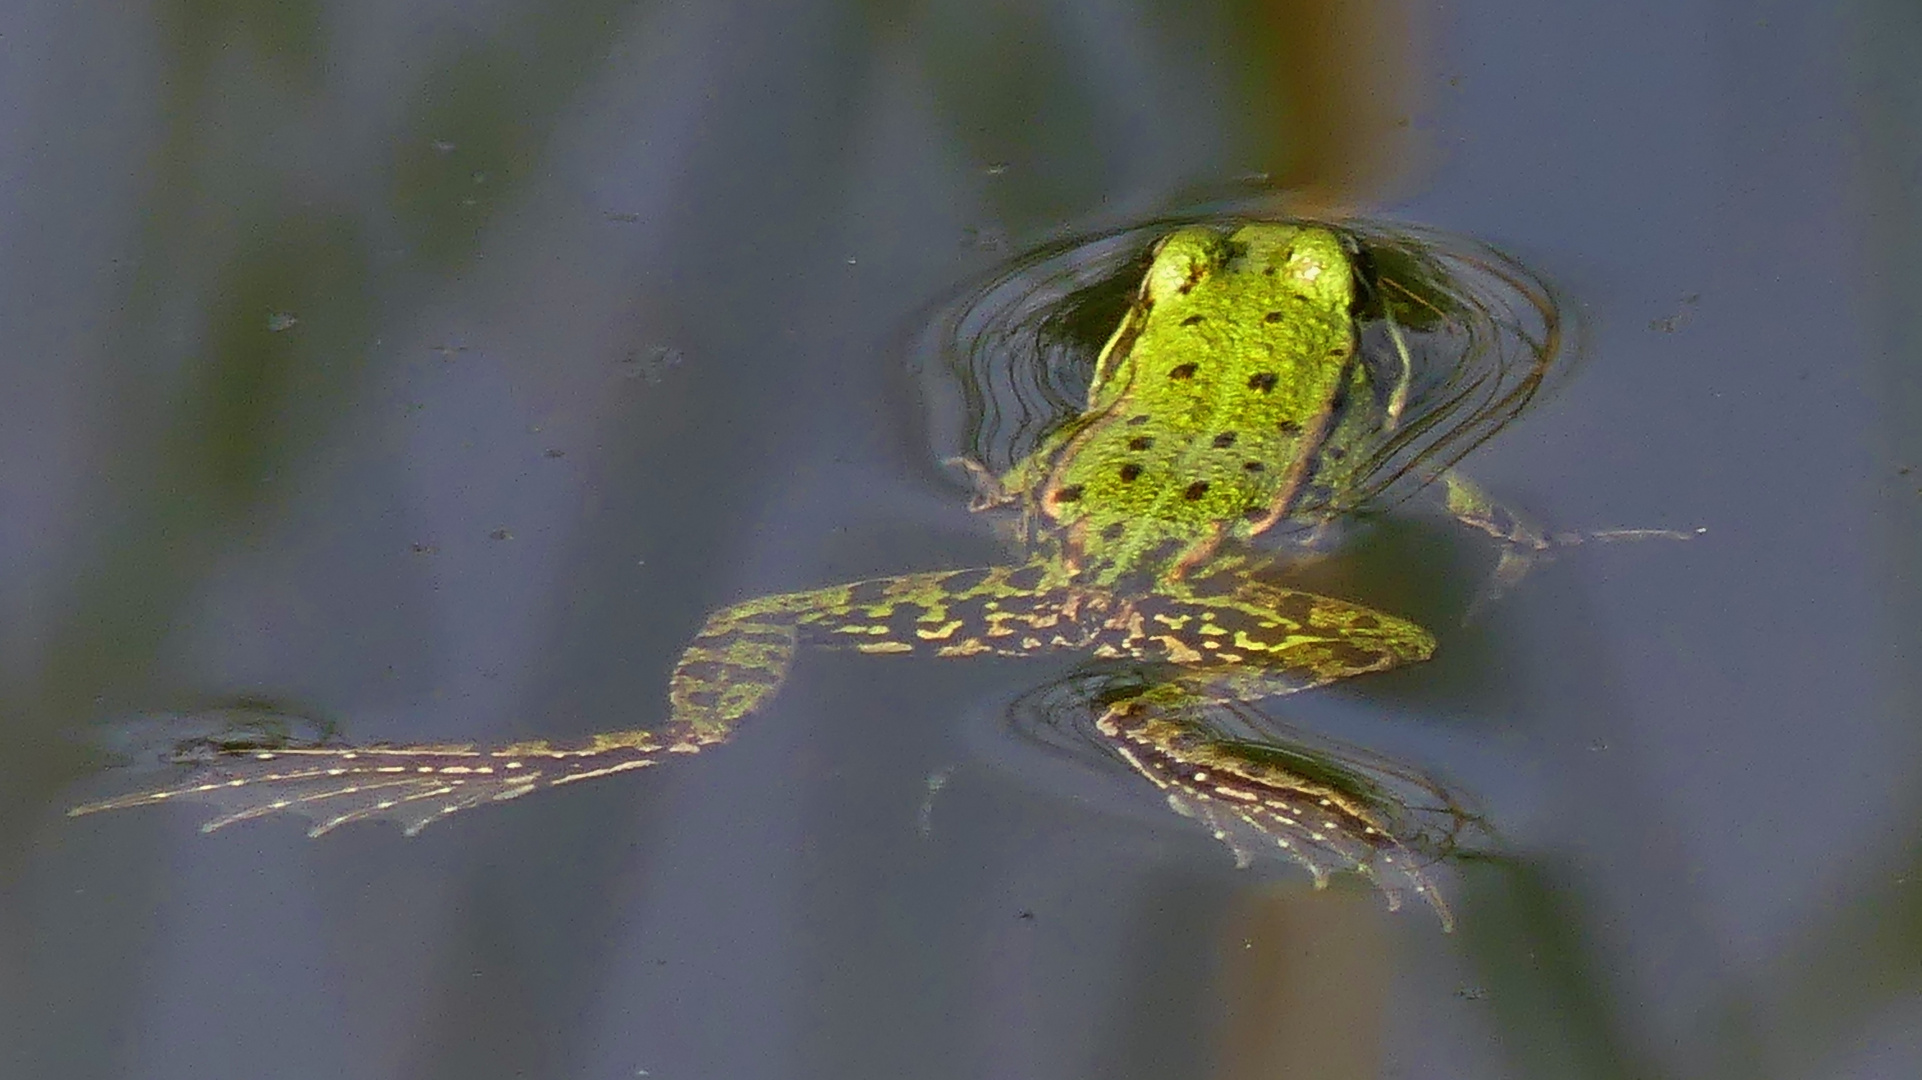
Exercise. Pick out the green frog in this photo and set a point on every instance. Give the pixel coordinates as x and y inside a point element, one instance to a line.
<point>1230,396</point>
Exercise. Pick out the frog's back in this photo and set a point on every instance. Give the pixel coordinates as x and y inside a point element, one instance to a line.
<point>1211,398</point>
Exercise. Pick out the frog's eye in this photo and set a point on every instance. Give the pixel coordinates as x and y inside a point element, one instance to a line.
<point>1184,258</point>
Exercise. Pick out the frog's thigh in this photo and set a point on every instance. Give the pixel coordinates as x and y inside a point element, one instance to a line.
<point>998,610</point>
<point>743,652</point>
<point>1260,640</point>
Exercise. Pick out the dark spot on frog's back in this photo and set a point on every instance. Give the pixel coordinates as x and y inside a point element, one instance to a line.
<point>1195,490</point>
<point>1071,493</point>
<point>1263,381</point>
<point>1289,427</point>
<point>1113,530</point>
<point>1253,466</point>
<point>1225,439</point>
<point>1184,371</point>
<point>1193,320</point>
<point>1141,442</point>
<point>1130,473</point>
<point>1272,317</point>
<point>1139,419</point>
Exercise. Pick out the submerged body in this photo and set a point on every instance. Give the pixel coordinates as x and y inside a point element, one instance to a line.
<point>1230,391</point>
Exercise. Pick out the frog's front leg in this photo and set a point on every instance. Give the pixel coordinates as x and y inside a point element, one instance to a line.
<point>1521,542</point>
<point>734,665</point>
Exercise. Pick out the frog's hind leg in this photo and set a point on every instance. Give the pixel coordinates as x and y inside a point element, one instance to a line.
<point>736,662</point>
<point>734,665</point>
<point>1326,808</point>
<point>1281,640</point>
<point>332,785</point>
<point>1323,806</point>
<point>996,610</point>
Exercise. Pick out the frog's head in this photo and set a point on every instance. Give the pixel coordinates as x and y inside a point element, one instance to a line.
<point>1312,262</point>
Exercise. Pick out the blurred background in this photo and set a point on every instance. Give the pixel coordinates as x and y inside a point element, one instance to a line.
<point>431,369</point>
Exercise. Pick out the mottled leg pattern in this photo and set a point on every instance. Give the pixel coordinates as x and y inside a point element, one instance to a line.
<point>987,611</point>
<point>1314,804</point>
<point>730,670</point>
<point>1324,807</point>
<point>1289,638</point>
<point>734,664</point>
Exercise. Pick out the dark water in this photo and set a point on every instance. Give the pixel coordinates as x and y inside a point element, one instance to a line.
<point>433,371</point>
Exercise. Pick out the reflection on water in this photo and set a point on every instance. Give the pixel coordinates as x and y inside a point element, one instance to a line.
<point>301,302</point>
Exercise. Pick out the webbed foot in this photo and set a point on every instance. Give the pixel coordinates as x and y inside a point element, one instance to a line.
<point>331,785</point>
<point>1324,807</point>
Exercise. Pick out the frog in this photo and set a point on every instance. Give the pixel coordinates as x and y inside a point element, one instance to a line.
<point>1230,398</point>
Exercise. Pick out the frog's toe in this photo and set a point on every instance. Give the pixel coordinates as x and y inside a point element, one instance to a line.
<point>414,786</point>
